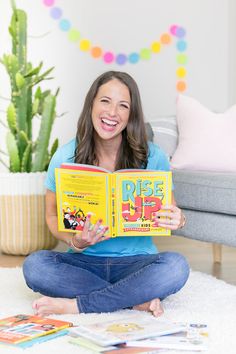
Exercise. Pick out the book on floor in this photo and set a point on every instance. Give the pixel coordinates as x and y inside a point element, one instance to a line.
<point>42,339</point>
<point>194,337</point>
<point>125,329</point>
<point>86,343</point>
<point>21,328</point>
<point>115,349</point>
<point>125,200</point>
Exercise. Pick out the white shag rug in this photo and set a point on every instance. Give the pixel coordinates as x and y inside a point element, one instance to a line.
<point>204,299</point>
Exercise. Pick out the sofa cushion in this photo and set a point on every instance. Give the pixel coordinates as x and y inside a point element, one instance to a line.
<point>149,131</point>
<point>165,133</point>
<point>209,227</point>
<point>206,139</point>
<point>205,191</point>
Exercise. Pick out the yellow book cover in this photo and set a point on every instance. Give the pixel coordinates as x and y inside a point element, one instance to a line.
<point>125,200</point>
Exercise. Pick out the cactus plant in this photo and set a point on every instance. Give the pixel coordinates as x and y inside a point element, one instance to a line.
<point>27,101</point>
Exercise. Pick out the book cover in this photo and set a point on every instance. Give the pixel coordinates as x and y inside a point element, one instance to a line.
<point>42,339</point>
<point>129,328</point>
<point>194,337</point>
<point>21,328</point>
<point>116,349</point>
<point>125,200</point>
<point>86,343</point>
<point>124,349</point>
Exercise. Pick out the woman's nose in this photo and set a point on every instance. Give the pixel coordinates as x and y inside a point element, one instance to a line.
<point>113,109</point>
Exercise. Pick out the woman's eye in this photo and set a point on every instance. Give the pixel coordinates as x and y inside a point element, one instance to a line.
<point>125,106</point>
<point>103,100</point>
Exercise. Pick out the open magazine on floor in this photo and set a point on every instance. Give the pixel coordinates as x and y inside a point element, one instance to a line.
<point>115,349</point>
<point>194,337</point>
<point>129,328</point>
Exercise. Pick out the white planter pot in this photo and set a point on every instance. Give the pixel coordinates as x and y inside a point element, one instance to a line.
<point>23,227</point>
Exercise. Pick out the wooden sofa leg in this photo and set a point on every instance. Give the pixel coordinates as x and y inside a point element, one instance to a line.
<point>217,252</point>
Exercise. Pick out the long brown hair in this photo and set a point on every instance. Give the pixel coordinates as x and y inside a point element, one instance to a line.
<point>133,150</point>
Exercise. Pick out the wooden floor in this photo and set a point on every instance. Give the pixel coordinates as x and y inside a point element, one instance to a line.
<point>198,254</point>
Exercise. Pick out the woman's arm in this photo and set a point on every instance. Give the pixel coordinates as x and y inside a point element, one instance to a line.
<point>77,240</point>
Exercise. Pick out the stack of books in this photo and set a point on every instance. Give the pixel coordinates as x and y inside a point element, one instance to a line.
<point>128,335</point>
<point>25,330</point>
<point>140,335</point>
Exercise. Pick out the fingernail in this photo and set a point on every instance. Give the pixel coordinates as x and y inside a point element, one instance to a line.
<point>100,220</point>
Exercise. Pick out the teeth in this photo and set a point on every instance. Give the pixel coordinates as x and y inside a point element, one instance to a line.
<point>109,122</point>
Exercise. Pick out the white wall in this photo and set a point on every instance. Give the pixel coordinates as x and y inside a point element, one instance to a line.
<point>232,52</point>
<point>126,26</point>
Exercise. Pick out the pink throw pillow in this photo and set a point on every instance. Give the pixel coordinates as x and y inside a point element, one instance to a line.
<point>207,140</point>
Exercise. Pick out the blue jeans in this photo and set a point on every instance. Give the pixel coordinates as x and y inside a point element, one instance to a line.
<point>105,284</point>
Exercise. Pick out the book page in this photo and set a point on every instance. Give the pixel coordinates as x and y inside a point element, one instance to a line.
<point>194,337</point>
<point>112,332</point>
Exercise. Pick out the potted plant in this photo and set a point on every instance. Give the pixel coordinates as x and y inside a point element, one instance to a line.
<point>22,195</point>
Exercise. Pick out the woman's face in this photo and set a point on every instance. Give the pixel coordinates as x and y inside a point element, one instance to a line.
<point>111,109</point>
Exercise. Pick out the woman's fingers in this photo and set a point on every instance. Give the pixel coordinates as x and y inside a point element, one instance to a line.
<point>94,235</point>
<point>86,224</point>
<point>98,226</point>
<point>169,216</point>
<point>100,236</point>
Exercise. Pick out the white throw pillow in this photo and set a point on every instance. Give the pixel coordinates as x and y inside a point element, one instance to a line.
<point>207,140</point>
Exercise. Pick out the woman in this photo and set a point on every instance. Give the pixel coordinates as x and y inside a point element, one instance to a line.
<point>102,274</point>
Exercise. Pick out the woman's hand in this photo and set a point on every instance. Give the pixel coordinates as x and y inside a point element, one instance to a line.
<point>170,217</point>
<point>89,237</point>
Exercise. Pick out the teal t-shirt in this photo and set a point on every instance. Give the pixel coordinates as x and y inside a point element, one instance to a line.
<point>119,246</point>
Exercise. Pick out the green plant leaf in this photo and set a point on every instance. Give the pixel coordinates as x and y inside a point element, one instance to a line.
<point>20,81</point>
<point>23,139</point>
<point>35,106</point>
<point>13,153</point>
<point>38,93</point>
<point>34,71</point>
<point>54,147</point>
<point>48,116</point>
<point>11,118</point>
<point>26,160</point>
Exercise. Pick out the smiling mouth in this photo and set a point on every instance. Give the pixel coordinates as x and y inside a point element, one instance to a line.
<point>110,123</point>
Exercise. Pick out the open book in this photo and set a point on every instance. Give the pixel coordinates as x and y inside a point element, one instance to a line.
<point>123,330</point>
<point>194,337</point>
<point>125,200</point>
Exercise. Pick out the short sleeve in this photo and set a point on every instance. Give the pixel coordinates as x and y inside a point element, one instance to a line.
<point>50,178</point>
<point>157,159</point>
<point>62,155</point>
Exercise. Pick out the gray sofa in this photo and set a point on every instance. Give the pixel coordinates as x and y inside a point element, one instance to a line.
<point>209,203</point>
<point>208,199</point>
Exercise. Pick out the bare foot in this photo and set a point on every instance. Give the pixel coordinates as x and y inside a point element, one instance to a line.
<point>153,306</point>
<point>54,305</point>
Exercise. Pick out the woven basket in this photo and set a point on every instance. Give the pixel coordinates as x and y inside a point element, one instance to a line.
<point>23,227</point>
